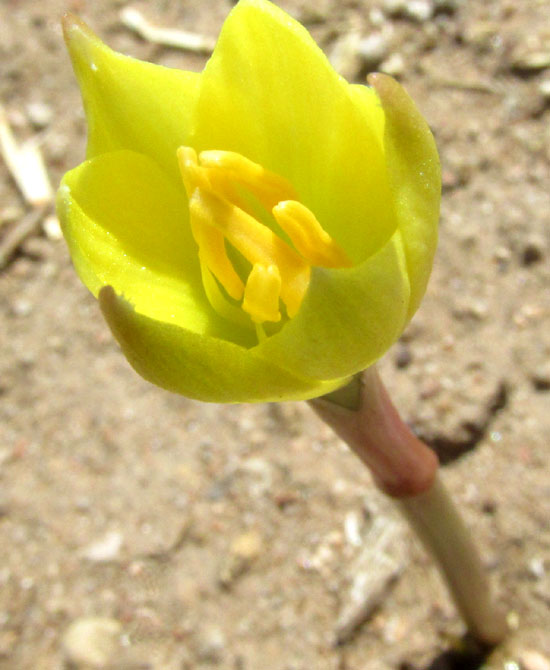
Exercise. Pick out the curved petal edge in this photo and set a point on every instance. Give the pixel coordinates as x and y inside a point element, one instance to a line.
<point>201,367</point>
<point>415,180</point>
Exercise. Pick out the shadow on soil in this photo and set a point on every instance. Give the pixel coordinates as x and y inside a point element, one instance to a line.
<point>467,657</point>
<point>449,448</point>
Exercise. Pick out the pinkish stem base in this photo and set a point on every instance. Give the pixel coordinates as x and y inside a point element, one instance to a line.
<point>404,468</point>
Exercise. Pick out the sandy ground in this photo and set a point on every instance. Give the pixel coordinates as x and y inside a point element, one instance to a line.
<point>229,536</point>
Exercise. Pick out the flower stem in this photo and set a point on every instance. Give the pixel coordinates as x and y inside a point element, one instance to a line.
<point>406,469</point>
<point>437,522</point>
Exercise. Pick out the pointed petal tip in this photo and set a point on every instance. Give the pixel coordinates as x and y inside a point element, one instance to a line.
<point>79,37</point>
<point>68,20</point>
<point>73,26</point>
<point>384,85</point>
<point>401,112</point>
<point>374,77</point>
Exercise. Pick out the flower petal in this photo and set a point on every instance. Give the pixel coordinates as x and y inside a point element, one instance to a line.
<point>269,93</point>
<point>198,366</point>
<point>131,104</point>
<point>348,319</point>
<point>126,225</point>
<point>415,178</point>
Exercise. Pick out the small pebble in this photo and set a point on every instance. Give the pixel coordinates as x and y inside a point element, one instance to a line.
<point>92,642</point>
<point>344,55</point>
<point>526,314</point>
<point>430,36</point>
<point>373,49</point>
<point>471,308</point>
<point>247,546</point>
<point>419,10</point>
<point>81,503</point>
<point>502,256</point>
<point>22,307</point>
<point>429,388</point>
<point>448,343</point>
<point>210,645</point>
<point>259,475</point>
<point>544,89</point>
<point>105,549</point>
<point>513,621</point>
<point>352,529</point>
<point>394,65</point>
<point>244,550</point>
<point>536,568</point>
<point>482,35</point>
<point>377,18</point>
<point>40,114</point>
<point>530,61</point>
<point>52,228</point>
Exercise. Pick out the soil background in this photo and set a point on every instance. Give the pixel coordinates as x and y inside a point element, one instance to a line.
<point>139,529</point>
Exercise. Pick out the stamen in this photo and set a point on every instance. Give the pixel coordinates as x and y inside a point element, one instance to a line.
<point>307,235</point>
<point>259,244</point>
<point>211,243</point>
<point>268,187</point>
<point>261,295</point>
<point>220,213</point>
<point>192,175</point>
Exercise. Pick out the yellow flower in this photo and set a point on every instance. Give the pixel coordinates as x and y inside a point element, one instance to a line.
<point>260,231</point>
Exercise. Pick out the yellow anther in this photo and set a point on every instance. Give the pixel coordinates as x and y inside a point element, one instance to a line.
<point>259,244</point>
<point>307,235</point>
<point>189,165</point>
<point>261,295</point>
<point>220,213</point>
<point>211,243</point>
<point>268,187</point>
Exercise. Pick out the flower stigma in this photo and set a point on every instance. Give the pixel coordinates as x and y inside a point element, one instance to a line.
<point>231,199</point>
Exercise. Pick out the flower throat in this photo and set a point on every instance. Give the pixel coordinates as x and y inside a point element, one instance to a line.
<point>219,185</point>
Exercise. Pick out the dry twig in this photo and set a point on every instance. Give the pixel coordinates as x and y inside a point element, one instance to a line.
<point>27,226</point>
<point>26,165</point>
<point>375,571</point>
<point>170,37</point>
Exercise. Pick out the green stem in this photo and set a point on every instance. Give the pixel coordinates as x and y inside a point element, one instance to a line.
<point>437,522</point>
<point>404,468</point>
